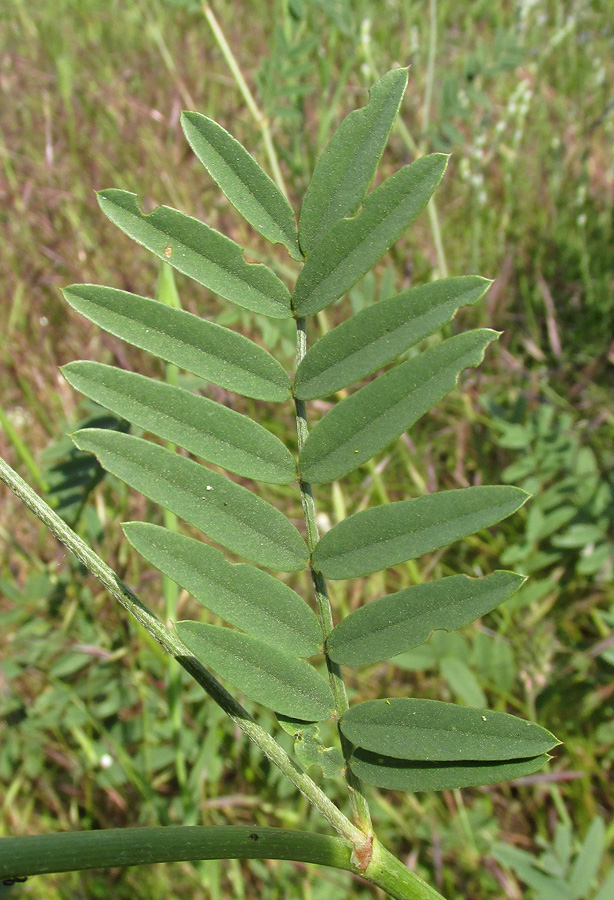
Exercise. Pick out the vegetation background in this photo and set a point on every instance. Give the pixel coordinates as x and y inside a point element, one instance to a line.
<point>93,732</point>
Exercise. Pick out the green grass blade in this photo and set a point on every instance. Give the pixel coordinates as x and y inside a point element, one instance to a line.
<point>378,334</point>
<point>387,535</point>
<point>276,679</point>
<point>346,168</point>
<point>246,597</point>
<point>433,731</point>
<point>245,183</point>
<point>196,345</point>
<point>398,622</point>
<point>586,864</point>
<point>353,246</point>
<point>363,424</point>
<point>221,509</point>
<point>199,425</point>
<point>407,775</point>
<point>200,252</point>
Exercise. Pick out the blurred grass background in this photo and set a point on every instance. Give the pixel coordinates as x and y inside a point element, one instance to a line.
<point>521,93</point>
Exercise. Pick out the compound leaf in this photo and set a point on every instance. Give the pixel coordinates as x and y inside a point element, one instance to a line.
<point>199,425</point>
<point>196,345</point>
<point>358,427</point>
<point>353,246</point>
<point>200,252</point>
<point>276,679</point>
<point>398,622</point>
<point>387,535</point>
<point>413,775</point>
<point>433,731</point>
<point>221,509</point>
<point>378,334</point>
<point>346,168</point>
<point>246,597</point>
<point>245,183</point>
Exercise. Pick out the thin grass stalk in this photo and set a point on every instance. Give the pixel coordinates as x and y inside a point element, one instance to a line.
<point>258,115</point>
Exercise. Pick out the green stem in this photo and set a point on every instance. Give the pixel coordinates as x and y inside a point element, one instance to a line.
<point>430,71</point>
<point>78,850</point>
<point>390,874</point>
<point>177,650</point>
<point>44,854</point>
<point>359,804</point>
<point>258,115</point>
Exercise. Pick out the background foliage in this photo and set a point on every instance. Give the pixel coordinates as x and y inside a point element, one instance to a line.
<point>521,94</point>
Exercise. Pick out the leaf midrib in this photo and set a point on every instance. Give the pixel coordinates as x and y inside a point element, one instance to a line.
<point>225,516</point>
<point>227,362</point>
<point>193,429</point>
<point>246,184</point>
<point>400,537</point>
<point>340,447</point>
<point>347,261</point>
<point>225,268</point>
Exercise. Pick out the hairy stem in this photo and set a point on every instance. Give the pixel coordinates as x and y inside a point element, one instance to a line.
<point>360,807</point>
<point>177,649</point>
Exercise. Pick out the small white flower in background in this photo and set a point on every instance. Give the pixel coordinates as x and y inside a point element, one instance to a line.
<point>106,761</point>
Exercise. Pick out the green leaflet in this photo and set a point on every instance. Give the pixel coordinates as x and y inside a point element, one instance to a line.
<point>408,775</point>
<point>280,681</point>
<point>378,334</point>
<point>244,596</point>
<point>433,731</point>
<point>398,622</point>
<point>353,246</point>
<point>346,168</point>
<point>387,535</point>
<point>221,509</point>
<point>366,422</point>
<point>199,425</point>
<point>196,345</point>
<point>247,186</point>
<point>200,252</point>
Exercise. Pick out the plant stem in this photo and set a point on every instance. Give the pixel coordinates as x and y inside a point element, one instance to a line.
<point>78,850</point>
<point>41,854</point>
<point>430,71</point>
<point>177,649</point>
<point>390,874</point>
<point>259,117</point>
<point>358,801</point>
